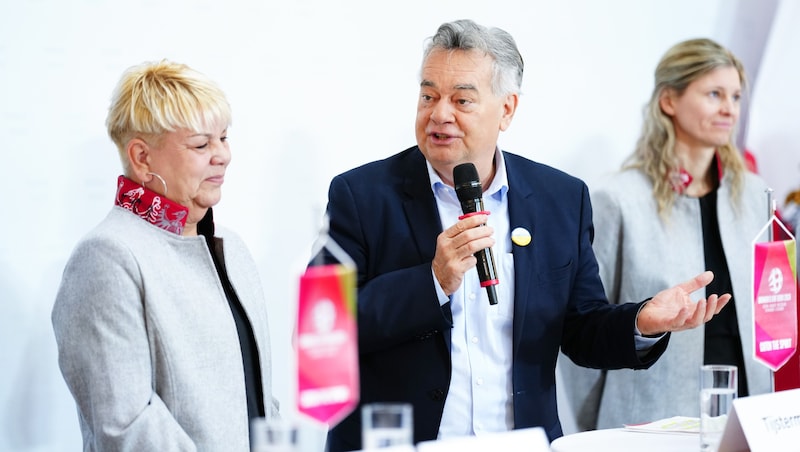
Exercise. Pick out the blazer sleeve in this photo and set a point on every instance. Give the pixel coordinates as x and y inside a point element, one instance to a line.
<point>596,333</point>
<point>104,353</point>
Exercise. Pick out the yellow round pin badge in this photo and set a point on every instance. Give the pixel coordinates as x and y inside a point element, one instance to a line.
<point>521,236</point>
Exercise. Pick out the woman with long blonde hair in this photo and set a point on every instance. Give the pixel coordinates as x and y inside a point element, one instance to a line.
<point>683,202</point>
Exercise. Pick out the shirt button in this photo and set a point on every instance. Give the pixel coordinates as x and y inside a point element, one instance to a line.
<point>472,296</point>
<point>474,339</point>
<point>479,381</point>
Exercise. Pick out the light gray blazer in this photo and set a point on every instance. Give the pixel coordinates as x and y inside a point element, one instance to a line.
<point>640,256</point>
<point>147,342</point>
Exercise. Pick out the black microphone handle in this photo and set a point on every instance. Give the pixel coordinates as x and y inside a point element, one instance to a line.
<point>470,193</point>
<point>487,272</point>
<point>492,294</point>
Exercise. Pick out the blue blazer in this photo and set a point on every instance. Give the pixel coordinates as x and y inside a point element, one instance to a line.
<point>384,215</point>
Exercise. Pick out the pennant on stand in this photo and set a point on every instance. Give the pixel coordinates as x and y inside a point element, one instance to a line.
<point>326,337</point>
<point>774,299</point>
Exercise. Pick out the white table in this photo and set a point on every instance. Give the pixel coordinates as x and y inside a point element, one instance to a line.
<point>621,440</point>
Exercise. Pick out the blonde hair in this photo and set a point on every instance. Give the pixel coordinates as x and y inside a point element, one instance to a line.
<point>158,97</point>
<point>655,154</point>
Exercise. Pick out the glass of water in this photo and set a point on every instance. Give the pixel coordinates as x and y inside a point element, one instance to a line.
<point>718,385</point>
<point>386,425</point>
<point>273,435</point>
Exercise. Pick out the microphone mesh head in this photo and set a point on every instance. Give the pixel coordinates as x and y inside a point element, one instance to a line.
<point>466,181</point>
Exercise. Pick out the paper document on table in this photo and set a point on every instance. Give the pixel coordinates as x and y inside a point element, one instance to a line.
<point>676,424</point>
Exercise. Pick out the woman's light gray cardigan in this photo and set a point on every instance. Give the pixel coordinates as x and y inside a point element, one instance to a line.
<point>147,342</point>
<point>639,256</point>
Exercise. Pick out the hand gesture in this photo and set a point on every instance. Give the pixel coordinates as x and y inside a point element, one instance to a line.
<point>673,310</point>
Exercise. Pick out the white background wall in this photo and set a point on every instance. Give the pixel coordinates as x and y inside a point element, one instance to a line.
<point>316,87</point>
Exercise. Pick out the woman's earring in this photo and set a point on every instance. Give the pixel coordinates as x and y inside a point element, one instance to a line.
<point>161,179</point>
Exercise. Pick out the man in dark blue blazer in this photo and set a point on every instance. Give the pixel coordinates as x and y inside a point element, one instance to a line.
<point>427,334</point>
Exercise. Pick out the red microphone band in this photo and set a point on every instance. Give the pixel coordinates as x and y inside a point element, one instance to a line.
<point>491,282</point>
<point>481,212</point>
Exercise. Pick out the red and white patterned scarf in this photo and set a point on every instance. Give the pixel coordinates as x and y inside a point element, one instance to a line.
<point>150,206</point>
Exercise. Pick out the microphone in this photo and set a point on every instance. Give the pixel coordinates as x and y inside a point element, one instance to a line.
<point>470,194</point>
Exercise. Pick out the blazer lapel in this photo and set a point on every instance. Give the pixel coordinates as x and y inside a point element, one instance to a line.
<point>521,215</point>
<point>422,214</point>
<point>419,206</point>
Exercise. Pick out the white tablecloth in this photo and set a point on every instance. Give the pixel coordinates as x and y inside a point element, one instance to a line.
<point>621,440</point>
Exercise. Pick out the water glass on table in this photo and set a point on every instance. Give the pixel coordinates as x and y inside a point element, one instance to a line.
<point>386,425</point>
<point>273,435</point>
<point>718,385</point>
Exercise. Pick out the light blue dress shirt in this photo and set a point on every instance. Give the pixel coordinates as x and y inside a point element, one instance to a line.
<point>479,399</point>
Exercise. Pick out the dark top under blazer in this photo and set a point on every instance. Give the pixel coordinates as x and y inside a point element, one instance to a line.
<point>385,217</point>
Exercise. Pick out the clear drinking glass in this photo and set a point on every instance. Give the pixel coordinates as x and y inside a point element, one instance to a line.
<point>718,385</point>
<point>273,435</point>
<point>386,425</point>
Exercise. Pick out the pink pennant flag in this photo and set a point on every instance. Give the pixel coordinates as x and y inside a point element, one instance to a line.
<point>326,343</point>
<point>775,302</point>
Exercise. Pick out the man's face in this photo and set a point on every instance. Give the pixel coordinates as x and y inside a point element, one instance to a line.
<point>458,116</point>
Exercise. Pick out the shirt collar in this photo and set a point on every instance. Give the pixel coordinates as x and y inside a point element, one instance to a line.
<point>497,189</point>
<point>150,206</point>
